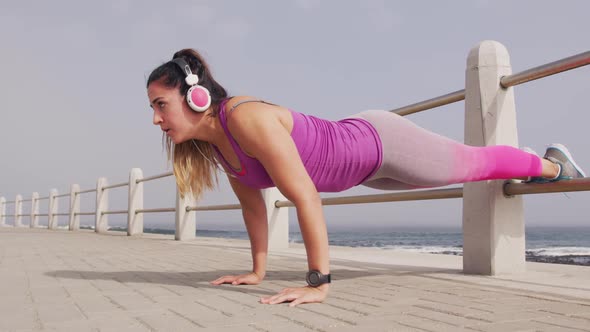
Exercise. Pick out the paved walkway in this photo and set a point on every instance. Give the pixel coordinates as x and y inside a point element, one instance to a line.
<point>81,281</point>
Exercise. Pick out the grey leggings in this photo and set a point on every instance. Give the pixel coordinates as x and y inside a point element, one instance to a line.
<point>414,157</point>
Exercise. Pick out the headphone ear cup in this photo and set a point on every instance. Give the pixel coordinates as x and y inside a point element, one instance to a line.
<point>198,98</point>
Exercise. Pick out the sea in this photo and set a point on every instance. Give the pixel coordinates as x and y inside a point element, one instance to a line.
<point>560,245</point>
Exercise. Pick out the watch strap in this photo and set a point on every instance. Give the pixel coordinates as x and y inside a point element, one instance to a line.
<point>322,278</point>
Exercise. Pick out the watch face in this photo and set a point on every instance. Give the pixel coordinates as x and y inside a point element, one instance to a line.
<point>314,278</point>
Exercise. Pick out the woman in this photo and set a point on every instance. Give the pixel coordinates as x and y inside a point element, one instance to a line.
<point>262,145</point>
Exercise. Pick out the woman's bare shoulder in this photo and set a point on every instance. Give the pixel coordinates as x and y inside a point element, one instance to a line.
<point>251,115</point>
<point>235,100</point>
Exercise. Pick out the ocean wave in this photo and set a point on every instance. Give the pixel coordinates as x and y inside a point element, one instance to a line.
<point>560,251</point>
<point>428,249</point>
<point>538,252</point>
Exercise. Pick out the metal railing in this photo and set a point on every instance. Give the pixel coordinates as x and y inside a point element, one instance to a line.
<point>545,70</point>
<point>389,197</point>
<point>116,186</point>
<point>214,207</point>
<point>157,210</point>
<point>511,188</point>
<point>74,212</point>
<point>155,177</point>
<point>115,212</point>
<point>528,75</point>
<point>449,98</point>
<point>86,191</point>
<point>84,213</point>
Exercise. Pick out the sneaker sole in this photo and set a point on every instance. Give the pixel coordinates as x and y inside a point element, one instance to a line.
<point>561,148</point>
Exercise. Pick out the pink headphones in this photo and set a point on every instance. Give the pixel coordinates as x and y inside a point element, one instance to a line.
<point>197,97</point>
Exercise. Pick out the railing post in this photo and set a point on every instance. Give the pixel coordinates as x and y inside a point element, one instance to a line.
<point>74,222</point>
<point>18,210</point>
<point>135,220</point>
<point>186,225</point>
<point>101,223</point>
<point>34,210</point>
<point>278,219</point>
<point>2,211</point>
<point>52,219</point>
<point>493,225</point>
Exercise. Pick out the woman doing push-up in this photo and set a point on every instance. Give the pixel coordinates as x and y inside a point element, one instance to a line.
<point>261,145</point>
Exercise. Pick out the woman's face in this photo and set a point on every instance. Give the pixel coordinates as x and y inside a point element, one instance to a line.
<point>171,112</point>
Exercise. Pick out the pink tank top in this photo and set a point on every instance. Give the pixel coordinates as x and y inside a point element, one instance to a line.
<point>336,154</point>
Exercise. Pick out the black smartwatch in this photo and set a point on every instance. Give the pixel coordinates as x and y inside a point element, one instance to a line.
<point>315,278</point>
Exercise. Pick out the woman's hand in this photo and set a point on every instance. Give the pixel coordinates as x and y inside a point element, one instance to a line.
<point>242,279</point>
<point>298,295</point>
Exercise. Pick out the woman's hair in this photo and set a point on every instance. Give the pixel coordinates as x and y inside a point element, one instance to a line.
<point>193,172</point>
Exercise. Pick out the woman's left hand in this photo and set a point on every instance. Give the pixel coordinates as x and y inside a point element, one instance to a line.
<point>298,295</point>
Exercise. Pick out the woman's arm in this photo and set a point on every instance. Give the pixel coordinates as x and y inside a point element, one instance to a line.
<point>260,132</point>
<point>254,213</point>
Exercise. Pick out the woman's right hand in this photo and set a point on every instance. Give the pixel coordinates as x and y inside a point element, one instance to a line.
<point>242,279</point>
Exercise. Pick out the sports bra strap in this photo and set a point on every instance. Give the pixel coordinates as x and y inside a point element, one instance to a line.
<point>249,101</point>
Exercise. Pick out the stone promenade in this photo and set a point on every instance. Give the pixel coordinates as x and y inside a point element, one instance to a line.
<point>82,281</point>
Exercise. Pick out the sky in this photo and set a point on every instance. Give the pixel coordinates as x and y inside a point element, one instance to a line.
<point>75,108</point>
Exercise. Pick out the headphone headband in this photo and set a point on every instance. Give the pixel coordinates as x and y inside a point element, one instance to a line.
<point>183,65</point>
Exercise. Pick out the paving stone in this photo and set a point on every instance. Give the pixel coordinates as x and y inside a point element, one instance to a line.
<point>443,315</point>
<point>583,316</point>
<point>263,326</point>
<point>565,322</point>
<point>152,291</point>
<point>81,325</point>
<point>116,321</point>
<point>130,300</point>
<point>90,305</point>
<point>49,295</point>
<point>82,281</point>
<point>14,304</point>
<point>376,325</point>
<point>566,308</point>
<point>12,289</point>
<point>477,314</point>
<point>311,320</point>
<point>24,320</point>
<point>59,313</point>
<point>168,321</point>
<point>413,323</point>
<point>520,326</point>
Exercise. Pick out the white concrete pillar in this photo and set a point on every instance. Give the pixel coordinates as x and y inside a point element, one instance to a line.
<point>101,222</point>
<point>278,219</point>
<point>53,204</point>
<point>135,220</point>
<point>186,225</point>
<point>74,221</point>
<point>34,210</point>
<point>2,211</point>
<point>493,225</point>
<point>18,211</point>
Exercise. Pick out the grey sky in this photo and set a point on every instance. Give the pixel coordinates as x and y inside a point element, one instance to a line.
<point>75,106</point>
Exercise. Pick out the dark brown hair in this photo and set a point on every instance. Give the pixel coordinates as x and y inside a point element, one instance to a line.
<point>172,76</point>
<point>193,172</point>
